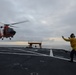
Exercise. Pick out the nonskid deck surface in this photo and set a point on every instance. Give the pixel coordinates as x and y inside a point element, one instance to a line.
<point>30,61</point>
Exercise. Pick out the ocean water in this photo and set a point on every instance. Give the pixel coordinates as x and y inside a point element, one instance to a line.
<point>65,47</point>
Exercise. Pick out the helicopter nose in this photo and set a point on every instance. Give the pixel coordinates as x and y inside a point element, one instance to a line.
<point>14,32</point>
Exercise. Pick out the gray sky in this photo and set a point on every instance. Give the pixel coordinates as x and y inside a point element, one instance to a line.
<point>48,20</point>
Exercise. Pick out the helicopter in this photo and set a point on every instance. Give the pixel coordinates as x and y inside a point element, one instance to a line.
<point>7,31</point>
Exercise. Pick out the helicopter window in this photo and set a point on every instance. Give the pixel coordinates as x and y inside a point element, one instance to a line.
<point>10,29</point>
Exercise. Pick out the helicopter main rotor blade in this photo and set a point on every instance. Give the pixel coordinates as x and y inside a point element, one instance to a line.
<point>14,26</point>
<point>18,22</point>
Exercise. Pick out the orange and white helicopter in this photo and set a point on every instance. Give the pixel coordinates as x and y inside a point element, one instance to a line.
<point>6,31</point>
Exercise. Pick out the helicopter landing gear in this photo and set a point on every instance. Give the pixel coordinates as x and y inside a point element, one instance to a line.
<point>2,38</point>
<point>10,38</point>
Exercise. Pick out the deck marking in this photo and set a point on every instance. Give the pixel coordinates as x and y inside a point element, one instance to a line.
<point>37,54</point>
<point>51,53</point>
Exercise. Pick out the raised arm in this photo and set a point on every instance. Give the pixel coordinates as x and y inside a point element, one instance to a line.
<point>66,38</point>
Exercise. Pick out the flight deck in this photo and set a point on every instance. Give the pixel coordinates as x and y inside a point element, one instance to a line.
<point>35,61</point>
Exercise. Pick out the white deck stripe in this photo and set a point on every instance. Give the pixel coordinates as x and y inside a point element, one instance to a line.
<point>19,54</point>
<point>51,53</point>
<point>33,52</point>
<point>34,55</point>
<point>37,54</point>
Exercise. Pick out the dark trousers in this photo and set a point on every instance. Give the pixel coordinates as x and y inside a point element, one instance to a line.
<point>73,52</point>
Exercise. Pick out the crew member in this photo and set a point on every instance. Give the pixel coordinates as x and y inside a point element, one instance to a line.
<point>72,41</point>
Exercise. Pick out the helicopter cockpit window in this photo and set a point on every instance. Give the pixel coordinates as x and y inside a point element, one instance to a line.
<point>10,30</point>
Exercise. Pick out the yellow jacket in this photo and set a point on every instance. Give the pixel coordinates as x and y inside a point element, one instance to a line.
<point>72,42</point>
